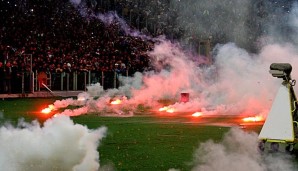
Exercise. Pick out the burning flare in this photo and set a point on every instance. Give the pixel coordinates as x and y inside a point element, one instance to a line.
<point>116,102</point>
<point>167,109</point>
<point>48,110</point>
<point>197,114</point>
<point>253,119</point>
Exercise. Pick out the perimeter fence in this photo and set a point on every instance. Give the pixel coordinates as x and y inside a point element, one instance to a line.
<point>30,82</point>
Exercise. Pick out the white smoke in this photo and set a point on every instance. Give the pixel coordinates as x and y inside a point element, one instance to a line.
<point>238,151</point>
<point>94,90</point>
<point>59,144</point>
<point>107,18</point>
<point>241,81</point>
<point>237,83</point>
<point>75,112</point>
<point>177,74</point>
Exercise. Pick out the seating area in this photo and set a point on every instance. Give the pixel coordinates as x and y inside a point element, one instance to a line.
<point>52,37</point>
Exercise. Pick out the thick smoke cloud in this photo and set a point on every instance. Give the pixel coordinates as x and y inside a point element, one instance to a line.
<point>238,82</point>
<point>238,151</point>
<point>177,74</point>
<point>59,144</point>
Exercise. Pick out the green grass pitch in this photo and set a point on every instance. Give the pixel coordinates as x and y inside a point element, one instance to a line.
<point>142,142</point>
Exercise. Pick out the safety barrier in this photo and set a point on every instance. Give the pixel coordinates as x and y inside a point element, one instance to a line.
<point>74,81</point>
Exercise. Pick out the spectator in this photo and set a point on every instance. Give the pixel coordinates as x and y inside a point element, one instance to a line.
<point>2,78</point>
<point>7,77</point>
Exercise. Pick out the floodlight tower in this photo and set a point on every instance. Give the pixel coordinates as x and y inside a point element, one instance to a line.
<point>281,124</point>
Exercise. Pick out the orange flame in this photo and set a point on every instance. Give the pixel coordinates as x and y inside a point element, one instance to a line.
<point>116,102</point>
<point>253,119</point>
<point>167,109</point>
<point>171,110</point>
<point>197,114</point>
<point>162,109</point>
<point>48,110</point>
<point>52,107</point>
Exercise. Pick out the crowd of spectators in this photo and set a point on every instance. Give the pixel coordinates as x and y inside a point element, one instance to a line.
<point>59,39</point>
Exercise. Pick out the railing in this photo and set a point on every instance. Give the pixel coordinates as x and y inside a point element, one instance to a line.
<point>74,81</point>
<point>78,80</point>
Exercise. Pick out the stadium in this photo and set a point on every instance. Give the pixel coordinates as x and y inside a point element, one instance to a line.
<point>143,85</point>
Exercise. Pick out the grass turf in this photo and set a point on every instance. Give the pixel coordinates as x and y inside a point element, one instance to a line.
<point>140,144</point>
<point>132,143</point>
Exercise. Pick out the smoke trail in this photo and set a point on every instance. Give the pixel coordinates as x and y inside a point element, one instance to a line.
<point>238,151</point>
<point>107,18</point>
<point>58,145</point>
<point>75,2</point>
